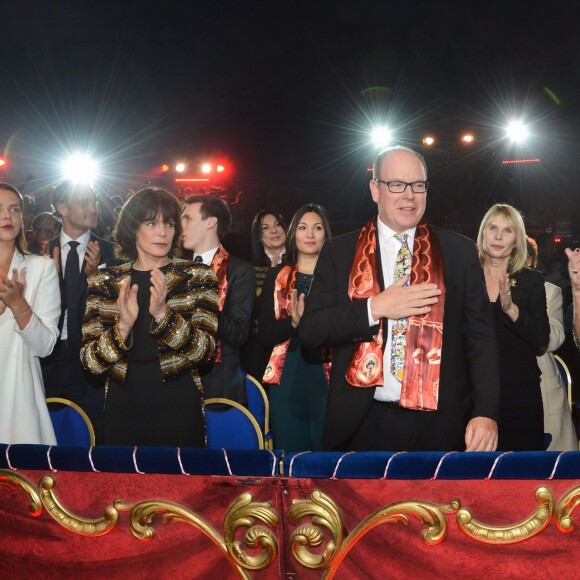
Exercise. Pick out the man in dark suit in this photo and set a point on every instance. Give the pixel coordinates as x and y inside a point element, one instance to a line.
<point>439,388</point>
<point>204,222</point>
<point>78,254</point>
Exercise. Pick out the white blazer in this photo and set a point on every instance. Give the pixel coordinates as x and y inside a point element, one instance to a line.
<point>557,414</point>
<point>24,416</point>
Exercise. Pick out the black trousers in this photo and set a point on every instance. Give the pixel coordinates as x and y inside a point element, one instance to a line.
<point>389,428</point>
<point>65,377</point>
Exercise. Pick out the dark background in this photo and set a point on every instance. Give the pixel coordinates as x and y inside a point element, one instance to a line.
<point>288,93</point>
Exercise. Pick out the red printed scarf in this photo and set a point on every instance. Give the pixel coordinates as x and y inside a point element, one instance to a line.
<point>219,265</point>
<point>285,283</point>
<point>420,386</point>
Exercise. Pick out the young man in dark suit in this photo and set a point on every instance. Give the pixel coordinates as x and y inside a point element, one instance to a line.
<point>404,307</point>
<point>204,223</point>
<point>78,254</point>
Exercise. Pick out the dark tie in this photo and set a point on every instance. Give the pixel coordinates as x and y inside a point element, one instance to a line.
<point>198,259</point>
<point>71,293</point>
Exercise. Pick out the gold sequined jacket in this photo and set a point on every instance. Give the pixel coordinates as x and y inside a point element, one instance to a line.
<point>186,336</point>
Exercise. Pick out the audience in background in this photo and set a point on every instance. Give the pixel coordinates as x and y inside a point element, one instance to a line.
<point>557,414</point>
<point>268,229</point>
<point>204,222</point>
<point>45,226</point>
<point>77,254</point>
<point>574,270</point>
<point>296,375</point>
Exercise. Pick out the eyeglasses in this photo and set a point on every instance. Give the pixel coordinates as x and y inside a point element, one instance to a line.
<point>400,186</point>
<point>45,231</point>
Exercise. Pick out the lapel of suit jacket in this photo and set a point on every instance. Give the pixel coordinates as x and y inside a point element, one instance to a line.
<point>380,264</point>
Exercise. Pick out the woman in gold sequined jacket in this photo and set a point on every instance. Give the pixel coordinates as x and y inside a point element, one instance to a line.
<point>147,326</point>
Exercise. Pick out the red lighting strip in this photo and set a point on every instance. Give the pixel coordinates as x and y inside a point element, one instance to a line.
<point>190,179</point>
<point>512,161</point>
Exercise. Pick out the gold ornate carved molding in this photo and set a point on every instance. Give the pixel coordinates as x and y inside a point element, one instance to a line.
<point>244,512</point>
<point>524,530</point>
<point>324,512</point>
<point>25,486</point>
<point>564,509</point>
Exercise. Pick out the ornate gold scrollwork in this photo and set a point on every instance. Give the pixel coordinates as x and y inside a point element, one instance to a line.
<point>70,521</point>
<point>243,512</point>
<point>564,508</point>
<point>519,532</point>
<point>25,486</point>
<point>325,512</point>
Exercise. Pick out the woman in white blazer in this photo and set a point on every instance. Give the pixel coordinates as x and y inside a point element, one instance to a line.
<point>557,413</point>
<point>29,312</point>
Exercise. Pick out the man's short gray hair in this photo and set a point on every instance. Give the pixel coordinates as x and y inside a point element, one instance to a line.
<point>378,162</point>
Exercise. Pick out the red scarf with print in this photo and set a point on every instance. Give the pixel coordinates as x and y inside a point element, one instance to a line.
<point>420,386</point>
<point>219,264</point>
<point>285,283</point>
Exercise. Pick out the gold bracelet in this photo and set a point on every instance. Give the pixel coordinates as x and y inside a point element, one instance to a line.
<point>29,309</point>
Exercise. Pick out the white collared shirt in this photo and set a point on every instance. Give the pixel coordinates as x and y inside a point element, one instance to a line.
<point>279,257</point>
<point>207,257</point>
<point>389,248</point>
<point>64,250</point>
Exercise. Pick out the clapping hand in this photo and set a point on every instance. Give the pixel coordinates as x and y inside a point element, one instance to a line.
<point>574,268</point>
<point>505,298</point>
<point>92,258</point>
<point>297,305</point>
<point>158,304</point>
<point>128,307</point>
<point>12,291</point>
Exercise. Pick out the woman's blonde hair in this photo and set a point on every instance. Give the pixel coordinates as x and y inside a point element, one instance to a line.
<point>514,218</point>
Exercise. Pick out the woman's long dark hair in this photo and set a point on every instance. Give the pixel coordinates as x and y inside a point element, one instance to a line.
<point>259,257</point>
<point>291,249</point>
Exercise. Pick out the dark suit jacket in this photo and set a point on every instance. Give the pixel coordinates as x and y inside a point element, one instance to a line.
<point>469,383</point>
<point>107,258</point>
<point>225,379</point>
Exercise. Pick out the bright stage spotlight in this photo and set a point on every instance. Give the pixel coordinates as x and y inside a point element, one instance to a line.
<point>428,141</point>
<point>206,168</point>
<point>381,137</point>
<point>220,168</point>
<point>80,168</point>
<point>467,138</point>
<point>517,131</point>
<point>180,167</point>
<point>165,168</point>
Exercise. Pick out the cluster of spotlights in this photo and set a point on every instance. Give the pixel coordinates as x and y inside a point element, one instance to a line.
<point>516,131</point>
<point>205,168</point>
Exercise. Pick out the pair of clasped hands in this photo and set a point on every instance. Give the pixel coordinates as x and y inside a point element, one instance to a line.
<point>129,308</point>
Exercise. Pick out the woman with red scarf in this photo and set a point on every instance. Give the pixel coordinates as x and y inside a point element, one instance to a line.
<point>296,375</point>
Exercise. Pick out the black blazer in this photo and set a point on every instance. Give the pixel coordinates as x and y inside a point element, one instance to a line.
<point>225,379</point>
<point>470,378</point>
